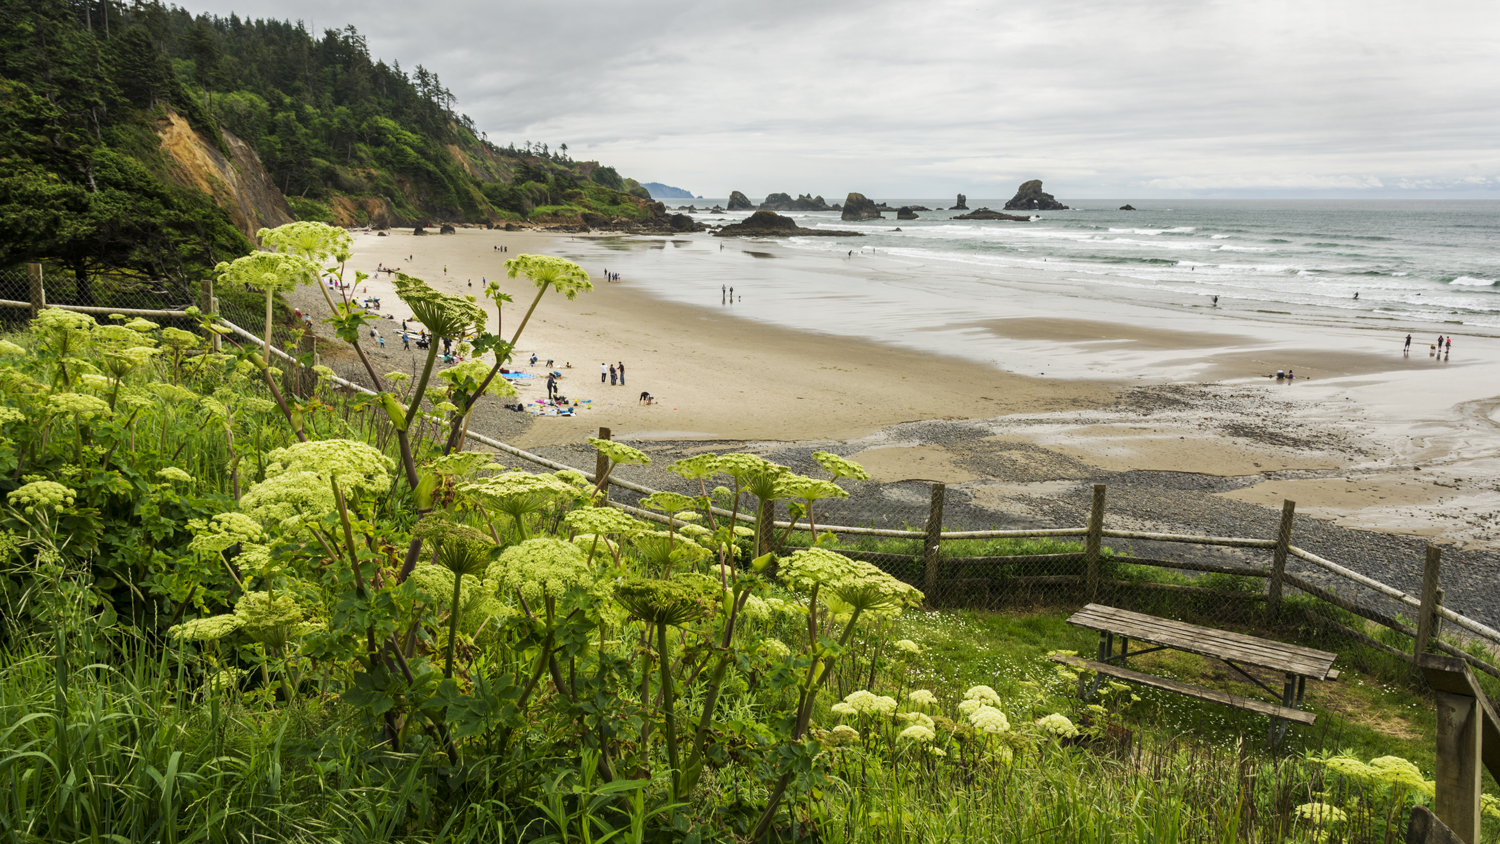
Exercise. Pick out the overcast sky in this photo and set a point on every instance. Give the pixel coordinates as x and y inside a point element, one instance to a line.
<point>927,98</point>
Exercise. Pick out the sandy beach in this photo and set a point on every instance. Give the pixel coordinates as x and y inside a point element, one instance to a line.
<point>1365,437</point>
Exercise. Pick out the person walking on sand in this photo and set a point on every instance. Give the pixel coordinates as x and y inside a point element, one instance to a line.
<point>1407,348</point>
<point>603,372</point>
<point>382,342</point>
<point>1450,343</point>
<point>731,295</point>
<point>621,367</point>
<point>405,341</point>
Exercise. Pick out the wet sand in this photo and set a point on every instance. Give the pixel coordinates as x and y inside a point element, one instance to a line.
<point>1360,409</point>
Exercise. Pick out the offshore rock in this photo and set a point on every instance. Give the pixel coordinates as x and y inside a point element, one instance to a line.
<point>905,213</point>
<point>987,214</point>
<point>1031,197</point>
<point>447,229</point>
<point>739,202</point>
<point>1127,207</point>
<point>777,202</point>
<point>771,224</point>
<point>962,204</point>
<point>857,207</point>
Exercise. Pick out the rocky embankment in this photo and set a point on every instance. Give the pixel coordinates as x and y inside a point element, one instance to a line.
<point>238,184</point>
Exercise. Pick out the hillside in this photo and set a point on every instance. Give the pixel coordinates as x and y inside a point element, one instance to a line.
<point>661,191</point>
<point>141,141</point>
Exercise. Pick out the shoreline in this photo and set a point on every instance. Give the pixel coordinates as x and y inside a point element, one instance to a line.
<point>1343,443</point>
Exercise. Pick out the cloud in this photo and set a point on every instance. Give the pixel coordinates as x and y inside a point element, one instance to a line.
<point>894,98</point>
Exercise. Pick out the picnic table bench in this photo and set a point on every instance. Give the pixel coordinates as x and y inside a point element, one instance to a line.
<point>1237,650</point>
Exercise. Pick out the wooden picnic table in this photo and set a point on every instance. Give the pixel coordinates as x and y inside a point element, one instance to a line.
<point>1295,663</point>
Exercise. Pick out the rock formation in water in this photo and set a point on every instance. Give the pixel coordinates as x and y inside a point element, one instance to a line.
<point>771,224</point>
<point>962,204</point>
<point>1127,207</point>
<point>1031,197</point>
<point>857,207</point>
<point>739,202</point>
<point>905,213</point>
<point>987,214</point>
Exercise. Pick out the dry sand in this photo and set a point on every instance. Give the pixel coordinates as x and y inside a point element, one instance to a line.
<point>719,376</point>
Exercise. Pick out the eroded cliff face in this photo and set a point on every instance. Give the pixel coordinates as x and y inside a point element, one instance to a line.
<point>239,184</point>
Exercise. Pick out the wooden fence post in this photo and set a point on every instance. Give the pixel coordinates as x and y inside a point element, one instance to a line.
<point>1427,616</point>
<point>601,465</point>
<point>38,292</point>
<point>1093,543</point>
<point>932,542</point>
<point>1458,738</point>
<point>1278,558</point>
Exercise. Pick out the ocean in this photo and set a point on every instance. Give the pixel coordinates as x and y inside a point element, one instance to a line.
<point>1431,262</point>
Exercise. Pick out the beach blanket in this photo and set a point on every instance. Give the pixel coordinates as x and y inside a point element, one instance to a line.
<point>516,375</point>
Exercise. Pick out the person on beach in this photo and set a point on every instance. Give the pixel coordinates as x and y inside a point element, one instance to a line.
<point>731,294</point>
<point>1407,348</point>
<point>611,375</point>
<point>1450,343</point>
<point>382,342</point>
<point>603,372</point>
<point>405,341</point>
<point>551,386</point>
<point>1290,375</point>
<point>1356,295</point>
<point>1216,301</point>
<point>621,367</point>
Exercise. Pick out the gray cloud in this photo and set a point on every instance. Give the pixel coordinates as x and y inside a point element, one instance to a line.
<point>928,98</point>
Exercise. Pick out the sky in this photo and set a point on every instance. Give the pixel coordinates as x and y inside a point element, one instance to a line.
<point>929,98</point>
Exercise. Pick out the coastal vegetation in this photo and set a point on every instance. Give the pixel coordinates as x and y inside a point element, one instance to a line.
<point>98,99</point>
<point>240,603</point>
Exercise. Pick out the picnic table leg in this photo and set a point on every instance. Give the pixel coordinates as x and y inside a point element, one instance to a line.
<point>1291,696</point>
<point>1087,690</point>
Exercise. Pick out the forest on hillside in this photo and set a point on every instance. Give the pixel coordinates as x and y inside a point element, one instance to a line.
<point>85,84</point>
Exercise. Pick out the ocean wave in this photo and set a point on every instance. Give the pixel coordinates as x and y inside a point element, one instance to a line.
<point>1470,281</point>
<point>1227,248</point>
<point>1222,236</point>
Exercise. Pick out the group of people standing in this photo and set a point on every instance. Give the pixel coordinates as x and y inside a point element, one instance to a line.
<point>1443,346</point>
<point>612,371</point>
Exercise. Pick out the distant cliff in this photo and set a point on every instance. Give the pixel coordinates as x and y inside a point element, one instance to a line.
<point>661,191</point>
<point>238,183</point>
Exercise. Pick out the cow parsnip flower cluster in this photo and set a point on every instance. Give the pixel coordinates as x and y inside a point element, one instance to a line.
<point>853,582</point>
<point>223,531</point>
<point>360,469</point>
<point>1392,771</point>
<point>47,495</point>
<point>9,348</point>
<point>545,271</point>
<point>620,452</point>
<point>78,404</point>
<point>603,521</point>
<point>266,272</point>
<point>775,649</point>
<point>921,719</point>
<point>289,499</point>
<point>988,719</point>
<point>840,467</point>
<point>866,702</point>
<point>1057,724</point>
<point>498,488</point>
<point>120,337</point>
<point>695,468</point>
<point>917,733</point>
<point>541,566</point>
<point>141,325</point>
<point>443,314</point>
<point>306,239</point>
<point>907,646</point>
<point>1322,814</point>
<point>922,697</point>
<point>10,414</point>
<point>175,475</point>
<point>179,340</point>
<point>460,464</point>
<point>669,602</point>
<point>807,489</point>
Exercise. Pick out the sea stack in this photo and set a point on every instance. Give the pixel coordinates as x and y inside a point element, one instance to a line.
<point>905,213</point>
<point>1031,197</point>
<point>962,204</point>
<point>857,207</point>
<point>739,202</point>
